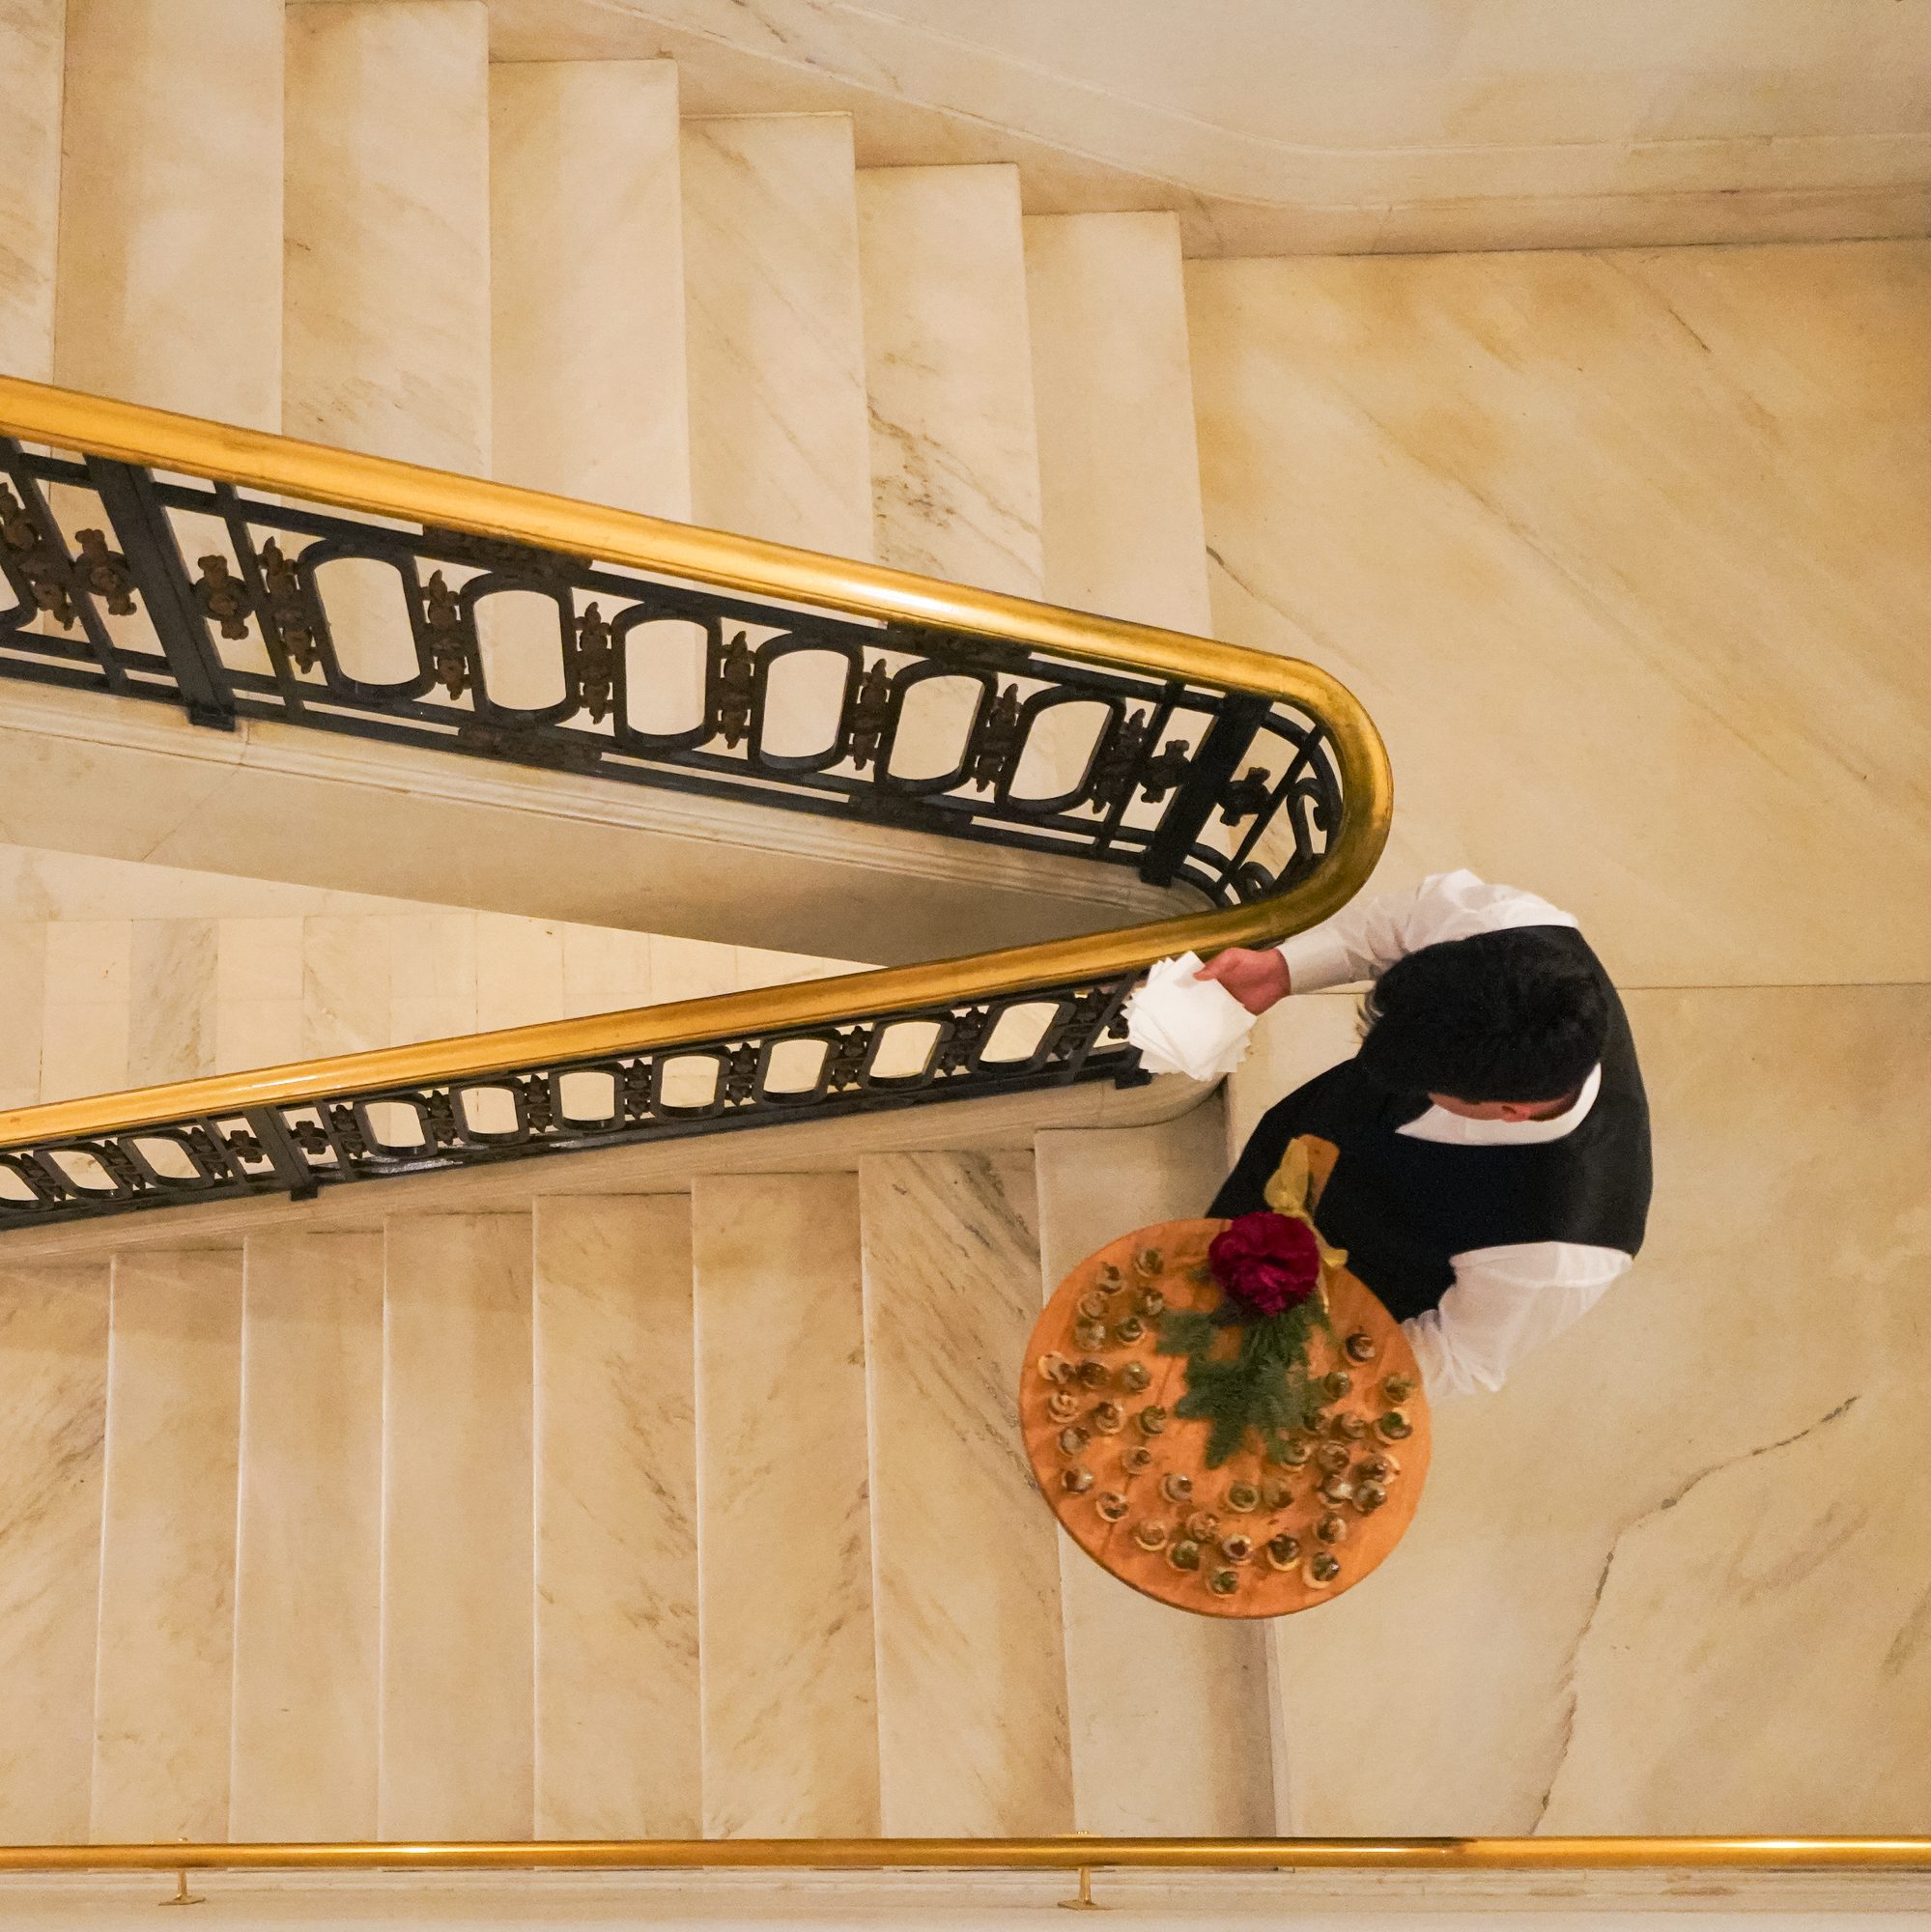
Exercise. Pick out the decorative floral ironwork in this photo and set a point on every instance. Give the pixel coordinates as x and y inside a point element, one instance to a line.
<point>222,596</point>
<point>736,680</point>
<point>442,619</point>
<point>596,664</point>
<point>871,714</point>
<point>1248,795</point>
<point>46,570</point>
<point>996,745</point>
<point>288,608</point>
<point>1165,770</point>
<point>105,573</point>
<point>1118,758</point>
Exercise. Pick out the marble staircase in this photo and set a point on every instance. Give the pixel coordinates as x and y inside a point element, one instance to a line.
<point>628,1516</point>
<point>691,1507</point>
<point>538,271</point>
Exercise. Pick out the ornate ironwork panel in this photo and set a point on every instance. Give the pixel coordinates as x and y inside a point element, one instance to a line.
<point>1023,1043</point>
<point>233,607</point>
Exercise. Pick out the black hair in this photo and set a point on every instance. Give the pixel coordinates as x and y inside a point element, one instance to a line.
<point>1509,1015</point>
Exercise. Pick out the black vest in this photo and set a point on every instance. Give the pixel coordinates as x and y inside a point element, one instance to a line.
<point>1403,1207</point>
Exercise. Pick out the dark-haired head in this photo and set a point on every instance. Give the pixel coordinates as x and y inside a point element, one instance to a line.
<point>1510,1018</point>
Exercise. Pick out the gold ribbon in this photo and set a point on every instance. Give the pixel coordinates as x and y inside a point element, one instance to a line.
<point>1287,1194</point>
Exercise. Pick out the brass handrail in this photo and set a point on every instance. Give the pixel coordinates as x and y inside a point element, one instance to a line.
<point>378,486</point>
<point>1073,1853</point>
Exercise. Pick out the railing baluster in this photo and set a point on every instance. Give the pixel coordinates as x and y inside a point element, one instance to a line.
<point>1229,739</point>
<point>147,539</point>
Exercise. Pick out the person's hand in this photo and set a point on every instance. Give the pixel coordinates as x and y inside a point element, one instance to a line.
<point>1257,979</point>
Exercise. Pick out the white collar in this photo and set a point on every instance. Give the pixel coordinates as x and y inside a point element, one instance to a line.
<point>1458,1130</point>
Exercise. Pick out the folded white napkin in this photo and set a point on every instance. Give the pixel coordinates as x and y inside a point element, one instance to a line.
<point>1183,1025</point>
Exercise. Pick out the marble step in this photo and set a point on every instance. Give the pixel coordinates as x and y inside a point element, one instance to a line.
<point>954,455</point>
<point>458,1744</point>
<point>33,39</point>
<point>166,1661</point>
<point>617,1724</point>
<point>789,1676</point>
<point>775,333</point>
<point>587,283</point>
<point>308,1562</point>
<point>195,982</point>
<point>53,1417</point>
<point>972,1681</point>
<point>1203,1715</point>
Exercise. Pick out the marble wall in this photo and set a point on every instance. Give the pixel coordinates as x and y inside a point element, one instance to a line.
<point>1627,556</point>
<point>1670,1579</point>
<point>31,35</point>
<point>1302,128</point>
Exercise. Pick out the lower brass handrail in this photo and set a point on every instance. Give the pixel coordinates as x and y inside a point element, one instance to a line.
<point>1068,1853</point>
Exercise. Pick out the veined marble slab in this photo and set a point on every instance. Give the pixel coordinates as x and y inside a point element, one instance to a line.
<point>972,1680</point>
<point>172,995</point>
<point>457,1697</point>
<point>170,286</point>
<point>779,444</point>
<point>165,1678</point>
<point>1147,1686</point>
<point>954,456</point>
<point>790,1681</point>
<point>617,1554</point>
<point>586,276</point>
<point>308,1559</point>
<point>1113,392</point>
<point>53,1417</point>
<point>387,323</point>
<point>1671,1579</point>
<point>1625,556</point>
<point>31,38</point>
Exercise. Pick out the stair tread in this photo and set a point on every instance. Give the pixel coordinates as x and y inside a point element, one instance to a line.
<point>971,1673</point>
<point>168,1553</point>
<point>308,1559</point>
<point>617,1753</point>
<point>790,1703</point>
<point>53,1413</point>
<point>456,1725</point>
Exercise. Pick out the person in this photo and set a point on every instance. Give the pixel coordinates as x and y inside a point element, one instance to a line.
<point>1490,1173</point>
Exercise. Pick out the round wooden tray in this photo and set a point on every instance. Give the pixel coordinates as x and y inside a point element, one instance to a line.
<point>1170,1259</point>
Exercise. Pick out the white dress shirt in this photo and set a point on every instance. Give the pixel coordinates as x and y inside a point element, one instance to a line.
<point>1506,1300</point>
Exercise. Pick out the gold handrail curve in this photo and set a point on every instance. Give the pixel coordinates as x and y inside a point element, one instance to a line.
<point>380,486</point>
<point>1394,1853</point>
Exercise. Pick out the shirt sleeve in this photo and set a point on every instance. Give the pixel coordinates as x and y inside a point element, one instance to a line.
<point>1503,1303</point>
<point>1367,936</point>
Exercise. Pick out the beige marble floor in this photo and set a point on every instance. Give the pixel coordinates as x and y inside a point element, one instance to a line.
<point>617,1719</point>
<point>1669,1579</point>
<point>972,1685</point>
<point>53,1417</point>
<point>308,1539</point>
<point>1625,554</point>
<point>791,1676</point>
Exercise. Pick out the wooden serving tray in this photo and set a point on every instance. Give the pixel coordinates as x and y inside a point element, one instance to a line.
<point>1170,1259</point>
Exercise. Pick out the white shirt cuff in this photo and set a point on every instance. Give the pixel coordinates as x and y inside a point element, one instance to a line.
<point>1317,959</point>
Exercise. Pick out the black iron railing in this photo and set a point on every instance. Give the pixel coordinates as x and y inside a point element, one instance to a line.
<point>231,606</point>
<point>241,577</point>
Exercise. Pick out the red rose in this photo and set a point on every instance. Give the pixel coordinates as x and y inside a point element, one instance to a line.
<point>1266,1263</point>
